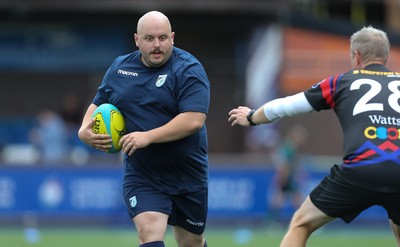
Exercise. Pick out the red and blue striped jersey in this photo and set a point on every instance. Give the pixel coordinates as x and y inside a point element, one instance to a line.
<point>367,104</point>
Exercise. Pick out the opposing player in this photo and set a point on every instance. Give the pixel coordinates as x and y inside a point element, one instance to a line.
<point>163,93</point>
<point>366,102</point>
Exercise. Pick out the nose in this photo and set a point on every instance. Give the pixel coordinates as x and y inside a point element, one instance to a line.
<point>156,43</point>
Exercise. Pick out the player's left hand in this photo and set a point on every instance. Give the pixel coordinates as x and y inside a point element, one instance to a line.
<point>134,140</point>
<point>238,116</point>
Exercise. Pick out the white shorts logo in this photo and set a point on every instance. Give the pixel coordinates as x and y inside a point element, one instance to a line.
<point>133,201</point>
<point>194,222</point>
<point>160,80</point>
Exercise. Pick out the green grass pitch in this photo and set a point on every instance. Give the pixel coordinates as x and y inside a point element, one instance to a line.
<point>216,237</point>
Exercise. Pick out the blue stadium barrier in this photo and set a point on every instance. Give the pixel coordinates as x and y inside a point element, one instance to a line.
<point>92,192</point>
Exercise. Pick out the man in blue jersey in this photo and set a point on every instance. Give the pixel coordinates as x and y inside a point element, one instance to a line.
<point>366,102</point>
<point>163,93</point>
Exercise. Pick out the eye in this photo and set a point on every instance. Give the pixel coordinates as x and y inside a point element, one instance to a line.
<point>163,38</point>
<point>149,38</point>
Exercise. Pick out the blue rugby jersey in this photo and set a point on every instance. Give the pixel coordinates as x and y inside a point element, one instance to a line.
<point>366,102</point>
<point>149,98</point>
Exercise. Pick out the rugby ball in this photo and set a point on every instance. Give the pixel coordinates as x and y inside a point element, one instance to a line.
<point>109,120</point>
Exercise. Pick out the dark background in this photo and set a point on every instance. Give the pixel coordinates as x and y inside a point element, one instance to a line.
<point>216,32</point>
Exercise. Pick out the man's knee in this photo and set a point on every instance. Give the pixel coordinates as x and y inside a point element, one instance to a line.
<point>190,240</point>
<point>153,244</point>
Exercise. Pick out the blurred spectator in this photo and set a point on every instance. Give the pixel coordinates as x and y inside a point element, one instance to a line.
<point>49,136</point>
<point>72,113</point>
<point>289,174</point>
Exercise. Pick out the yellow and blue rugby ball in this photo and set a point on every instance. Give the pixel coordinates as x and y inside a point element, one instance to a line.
<point>110,121</point>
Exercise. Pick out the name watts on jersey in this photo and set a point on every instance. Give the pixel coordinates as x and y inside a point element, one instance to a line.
<point>125,72</point>
<point>378,119</point>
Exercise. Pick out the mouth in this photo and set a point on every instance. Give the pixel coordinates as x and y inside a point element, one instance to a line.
<point>157,54</point>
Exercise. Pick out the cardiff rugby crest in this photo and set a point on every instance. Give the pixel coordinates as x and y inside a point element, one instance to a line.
<point>161,80</point>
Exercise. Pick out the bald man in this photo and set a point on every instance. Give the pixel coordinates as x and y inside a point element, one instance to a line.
<point>164,94</point>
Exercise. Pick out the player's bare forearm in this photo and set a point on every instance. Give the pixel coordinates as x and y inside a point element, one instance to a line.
<point>179,127</point>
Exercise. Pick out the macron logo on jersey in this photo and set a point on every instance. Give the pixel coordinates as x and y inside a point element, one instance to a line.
<point>125,72</point>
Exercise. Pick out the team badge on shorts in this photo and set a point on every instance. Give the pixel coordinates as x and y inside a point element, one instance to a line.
<point>133,201</point>
<point>160,80</point>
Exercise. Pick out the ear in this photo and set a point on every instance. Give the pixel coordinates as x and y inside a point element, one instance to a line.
<point>357,56</point>
<point>136,38</point>
<point>172,37</point>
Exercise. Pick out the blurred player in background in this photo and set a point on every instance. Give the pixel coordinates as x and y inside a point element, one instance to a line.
<point>163,93</point>
<point>366,102</point>
<point>50,136</point>
<point>289,175</point>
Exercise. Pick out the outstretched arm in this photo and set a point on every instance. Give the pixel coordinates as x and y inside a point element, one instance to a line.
<point>270,111</point>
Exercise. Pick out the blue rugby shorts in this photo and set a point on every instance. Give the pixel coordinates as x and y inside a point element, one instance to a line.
<point>188,210</point>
